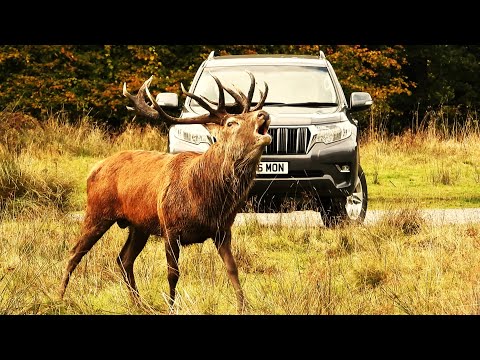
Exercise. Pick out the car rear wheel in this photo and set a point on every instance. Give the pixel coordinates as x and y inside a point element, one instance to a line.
<point>351,209</point>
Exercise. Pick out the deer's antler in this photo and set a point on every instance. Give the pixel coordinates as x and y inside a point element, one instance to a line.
<point>217,116</point>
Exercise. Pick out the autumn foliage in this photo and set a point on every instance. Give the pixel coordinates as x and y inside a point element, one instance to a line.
<point>87,79</point>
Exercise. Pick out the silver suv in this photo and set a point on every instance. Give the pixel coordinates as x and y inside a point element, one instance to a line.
<point>313,159</point>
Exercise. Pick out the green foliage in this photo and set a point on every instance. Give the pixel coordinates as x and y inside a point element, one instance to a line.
<point>448,74</point>
<point>447,77</point>
<point>87,79</point>
<point>81,79</point>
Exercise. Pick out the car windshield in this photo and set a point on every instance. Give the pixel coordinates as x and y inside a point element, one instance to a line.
<point>294,86</point>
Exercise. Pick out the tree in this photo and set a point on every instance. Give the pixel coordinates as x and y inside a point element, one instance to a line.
<point>81,79</point>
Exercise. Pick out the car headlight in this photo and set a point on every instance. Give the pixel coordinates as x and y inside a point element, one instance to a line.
<point>330,133</point>
<point>196,137</point>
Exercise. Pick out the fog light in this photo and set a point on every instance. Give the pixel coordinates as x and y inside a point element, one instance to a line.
<point>343,168</point>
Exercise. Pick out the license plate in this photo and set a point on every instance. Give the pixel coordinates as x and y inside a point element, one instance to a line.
<point>270,167</point>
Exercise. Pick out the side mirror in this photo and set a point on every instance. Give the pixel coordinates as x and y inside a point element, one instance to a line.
<point>360,101</point>
<point>167,99</point>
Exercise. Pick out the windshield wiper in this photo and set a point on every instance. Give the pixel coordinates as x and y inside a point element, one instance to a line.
<point>303,104</point>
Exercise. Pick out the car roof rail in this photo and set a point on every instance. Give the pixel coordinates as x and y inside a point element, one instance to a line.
<point>211,55</point>
<point>322,55</point>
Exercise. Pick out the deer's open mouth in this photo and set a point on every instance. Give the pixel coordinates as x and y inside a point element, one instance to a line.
<point>262,132</point>
<point>262,129</point>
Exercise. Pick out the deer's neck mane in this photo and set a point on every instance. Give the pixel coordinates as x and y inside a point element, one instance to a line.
<point>227,177</point>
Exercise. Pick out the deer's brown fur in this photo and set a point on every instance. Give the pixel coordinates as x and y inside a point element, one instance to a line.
<point>185,198</point>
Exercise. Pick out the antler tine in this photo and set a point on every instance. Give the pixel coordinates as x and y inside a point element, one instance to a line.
<point>245,101</point>
<point>250,92</point>
<point>263,97</point>
<point>221,95</point>
<point>140,106</point>
<point>202,103</point>
<point>210,101</point>
<point>220,104</point>
<point>238,99</point>
<point>157,107</point>
<point>142,88</point>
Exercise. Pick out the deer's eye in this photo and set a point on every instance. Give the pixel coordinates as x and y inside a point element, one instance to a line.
<point>232,123</point>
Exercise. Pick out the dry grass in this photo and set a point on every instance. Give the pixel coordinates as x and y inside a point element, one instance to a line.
<point>402,264</point>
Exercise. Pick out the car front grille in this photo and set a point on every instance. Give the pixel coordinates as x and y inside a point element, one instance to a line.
<point>288,140</point>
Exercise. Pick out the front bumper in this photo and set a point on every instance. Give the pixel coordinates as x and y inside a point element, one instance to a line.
<point>319,172</point>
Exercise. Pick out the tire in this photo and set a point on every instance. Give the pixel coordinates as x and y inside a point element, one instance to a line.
<point>349,210</point>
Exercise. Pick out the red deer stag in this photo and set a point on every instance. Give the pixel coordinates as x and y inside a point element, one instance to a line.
<point>185,198</point>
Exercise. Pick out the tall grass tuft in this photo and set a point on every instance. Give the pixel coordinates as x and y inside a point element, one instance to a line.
<point>408,219</point>
<point>134,137</point>
<point>444,175</point>
<point>477,174</point>
<point>24,186</point>
<point>11,176</point>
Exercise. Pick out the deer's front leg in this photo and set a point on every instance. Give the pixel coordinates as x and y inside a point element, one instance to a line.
<point>223,244</point>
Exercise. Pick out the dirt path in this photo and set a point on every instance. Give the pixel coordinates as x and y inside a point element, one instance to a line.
<point>311,218</point>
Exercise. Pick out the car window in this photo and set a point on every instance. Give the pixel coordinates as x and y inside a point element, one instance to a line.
<point>287,84</point>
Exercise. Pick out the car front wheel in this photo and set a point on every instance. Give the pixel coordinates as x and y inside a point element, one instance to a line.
<point>351,209</point>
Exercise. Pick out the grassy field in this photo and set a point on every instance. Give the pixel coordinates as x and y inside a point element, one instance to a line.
<point>438,172</point>
<point>399,265</point>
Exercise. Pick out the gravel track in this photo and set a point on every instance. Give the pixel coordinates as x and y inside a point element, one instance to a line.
<point>311,218</point>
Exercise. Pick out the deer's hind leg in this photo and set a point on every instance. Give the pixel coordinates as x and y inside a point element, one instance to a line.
<point>172,252</point>
<point>133,246</point>
<point>92,230</point>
